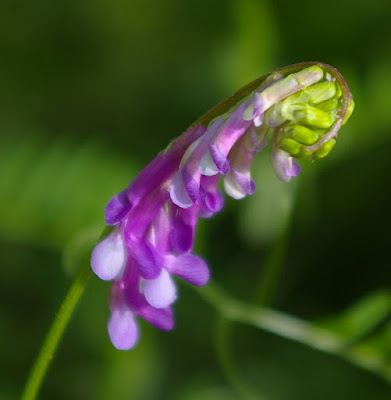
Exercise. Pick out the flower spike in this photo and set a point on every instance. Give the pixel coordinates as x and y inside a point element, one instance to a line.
<point>300,107</point>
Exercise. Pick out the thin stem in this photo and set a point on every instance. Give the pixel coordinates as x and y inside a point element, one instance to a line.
<point>272,268</point>
<point>49,347</point>
<point>223,338</point>
<point>295,329</point>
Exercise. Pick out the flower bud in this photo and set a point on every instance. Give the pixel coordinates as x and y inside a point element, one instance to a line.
<point>303,135</point>
<point>324,149</point>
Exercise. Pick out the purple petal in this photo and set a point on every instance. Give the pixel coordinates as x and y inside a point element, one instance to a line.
<point>160,292</point>
<point>108,258</point>
<point>189,267</point>
<point>122,328</point>
<point>214,202</point>
<point>161,318</point>
<point>193,188</point>
<point>145,256</point>
<point>162,167</point>
<point>117,208</point>
<point>178,193</point>
<point>181,236</point>
<point>219,159</point>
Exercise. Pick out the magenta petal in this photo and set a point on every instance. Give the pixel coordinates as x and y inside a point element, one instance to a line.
<point>181,236</point>
<point>219,159</point>
<point>214,201</point>
<point>122,328</point>
<point>161,291</point>
<point>195,192</point>
<point>189,267</point>
<point>117,208</point>
<point>108,258</point>
<point>145,256</point>
<point>161,318</point>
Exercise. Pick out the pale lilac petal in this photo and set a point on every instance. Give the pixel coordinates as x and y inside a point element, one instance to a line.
<point>178,193</point>
<point>189,267</point>
<point>108,258</point>
<point>244,182</point>
<point>284,166</point>
<point>221,162</point>
<point>122,328</point>
<point>117,208</point>
<point>161,291</point>
<point>258,121</point>
<point>238,185</point>
<point>145,255</point>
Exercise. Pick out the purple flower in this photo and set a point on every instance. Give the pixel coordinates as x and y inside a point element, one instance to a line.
<point>155,218</point>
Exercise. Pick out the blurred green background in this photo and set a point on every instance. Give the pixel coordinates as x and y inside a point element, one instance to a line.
<point>90,92</point>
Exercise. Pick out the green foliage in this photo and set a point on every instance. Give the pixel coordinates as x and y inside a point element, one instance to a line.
<point>90,93</point>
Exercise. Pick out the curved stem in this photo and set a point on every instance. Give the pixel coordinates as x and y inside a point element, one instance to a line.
<point>223,338</point>
<point>49,347</point>
<point>272,269</point>
<point>296,329</point>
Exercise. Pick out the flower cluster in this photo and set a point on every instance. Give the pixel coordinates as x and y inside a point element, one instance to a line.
<point>154,219</point>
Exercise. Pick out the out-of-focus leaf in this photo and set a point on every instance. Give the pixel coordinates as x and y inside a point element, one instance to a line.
<point>250,47</point>
<point>362,317</point>
<point>265,214</point>
<point>52,189</point>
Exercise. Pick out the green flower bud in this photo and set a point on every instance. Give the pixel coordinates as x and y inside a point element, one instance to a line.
<point>324,149</point>
<point>303,135</point>
<point>290,146</point>
<point>329,105</point>
<point>303,153</point>
<point>320,92</point>
<point>349,111</point>
<point>308,115</point>
<point>339,90</point>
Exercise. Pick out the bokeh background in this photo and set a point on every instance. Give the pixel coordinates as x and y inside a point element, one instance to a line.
<point>90,92</point>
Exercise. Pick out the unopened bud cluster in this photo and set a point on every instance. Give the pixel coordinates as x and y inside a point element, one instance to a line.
<point>304,118</point>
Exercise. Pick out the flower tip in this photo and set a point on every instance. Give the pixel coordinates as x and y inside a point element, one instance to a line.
<point>123,330</point>
<point>108,259</point>
<point>160,292</point>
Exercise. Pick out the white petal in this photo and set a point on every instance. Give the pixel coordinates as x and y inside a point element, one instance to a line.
<point>232,188</point>
<point>160,292</point>
<point>178,192</point>
<point>109,256</point>
<point>207,165</point>
<point>122,328</point>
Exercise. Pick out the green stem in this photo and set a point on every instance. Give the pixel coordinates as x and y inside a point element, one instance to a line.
<point>223,338</point>
<point>295,329</point>
<point>55,334</point>
<point>272,268</point>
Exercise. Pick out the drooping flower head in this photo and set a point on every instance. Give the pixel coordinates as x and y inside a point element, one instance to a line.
<point>299,109</point>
